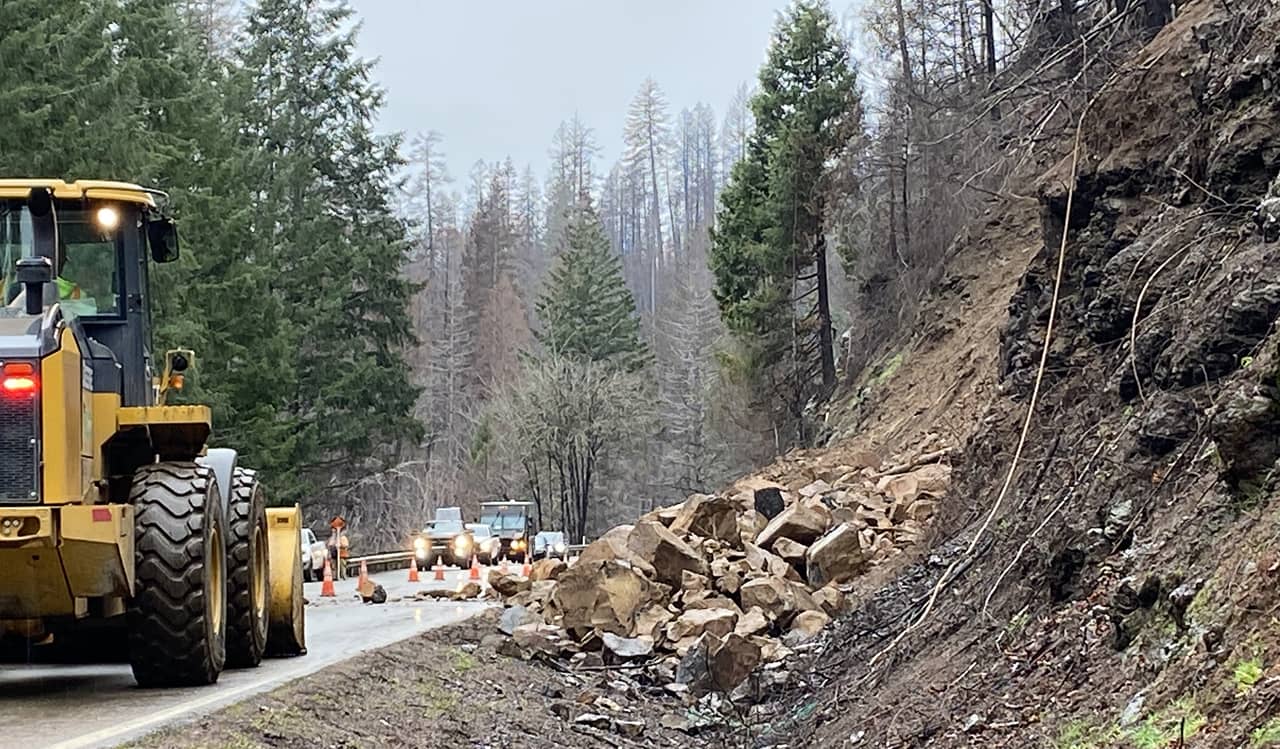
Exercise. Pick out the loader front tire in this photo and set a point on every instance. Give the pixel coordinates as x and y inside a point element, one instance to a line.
<point>247,571</point>
<point>178,615</point>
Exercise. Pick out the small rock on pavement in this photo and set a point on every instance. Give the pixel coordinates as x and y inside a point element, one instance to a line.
<point>467,591</point>
<point>506,585</point>
<point>371,592</point>
<point>627,648</point>
<point>514,617</point>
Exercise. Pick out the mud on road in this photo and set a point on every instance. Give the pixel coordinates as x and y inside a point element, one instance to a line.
<point>442,688</point>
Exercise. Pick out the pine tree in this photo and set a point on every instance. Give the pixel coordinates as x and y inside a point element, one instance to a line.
<point>769,253</point>
<point>326,184</point>
<point>587,312</point>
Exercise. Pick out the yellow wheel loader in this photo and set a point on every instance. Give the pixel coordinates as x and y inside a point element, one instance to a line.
<point>114,512</point>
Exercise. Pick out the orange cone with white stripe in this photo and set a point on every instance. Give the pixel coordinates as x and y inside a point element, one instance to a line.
<point>439,571</point>
<point>326,588</point>
<point>413,571</point>
<point>526,569</point>
<point>475,569</point>
<point>364,575</point>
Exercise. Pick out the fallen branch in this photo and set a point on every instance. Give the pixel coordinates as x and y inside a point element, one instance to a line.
<point>923,460</point>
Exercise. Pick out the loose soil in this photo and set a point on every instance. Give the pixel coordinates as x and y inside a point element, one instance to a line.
<point>440,689</point>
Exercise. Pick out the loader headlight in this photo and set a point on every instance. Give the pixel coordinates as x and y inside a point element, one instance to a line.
<point>108,218</point>
<point>419,544</point>
<point>518,544</point>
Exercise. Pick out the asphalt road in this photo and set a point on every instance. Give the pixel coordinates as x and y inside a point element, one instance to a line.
<point>88,706</point>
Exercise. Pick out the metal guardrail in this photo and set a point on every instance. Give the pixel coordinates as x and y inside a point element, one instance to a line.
<point>388,560</point>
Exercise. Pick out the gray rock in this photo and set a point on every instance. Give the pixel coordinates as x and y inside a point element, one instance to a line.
<point>514,617</point>
<point>627,648</point>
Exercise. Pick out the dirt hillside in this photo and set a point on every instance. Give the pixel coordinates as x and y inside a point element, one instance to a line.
<point>1123,591</point>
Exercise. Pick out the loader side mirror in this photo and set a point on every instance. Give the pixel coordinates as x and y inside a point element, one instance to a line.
<point>33,274</point>
<point>162,235</point>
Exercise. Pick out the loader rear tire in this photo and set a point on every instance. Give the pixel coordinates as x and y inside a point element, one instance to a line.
<point>247,571</point>
<point>177,617</point>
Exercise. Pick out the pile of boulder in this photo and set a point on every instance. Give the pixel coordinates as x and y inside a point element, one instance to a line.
<point>710,589</point>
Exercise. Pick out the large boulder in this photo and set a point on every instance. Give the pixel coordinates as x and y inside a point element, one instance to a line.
<point>713,663</point>
<point>694,622</point>
<point>837,557</point>
<point>604,595</point>
<point>762,561</point>
<point>803,522</point>
<point>666,553</point>
<point>547,569</point>
<point>771,595</point>
<point>708,517</point>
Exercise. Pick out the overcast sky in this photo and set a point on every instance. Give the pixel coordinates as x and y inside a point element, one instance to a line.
<point>496,77</point>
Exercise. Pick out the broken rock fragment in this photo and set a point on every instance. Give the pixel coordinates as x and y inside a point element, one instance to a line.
<point>837,557</point>
<point>694,622</point>
<point>547,569</point>
<point>626,648</point>
<point>668,554</point>
<point>801,522</point>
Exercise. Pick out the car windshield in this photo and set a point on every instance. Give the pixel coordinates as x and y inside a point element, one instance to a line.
<point>445,526</point>
<point>507,520</point>
<point>88,240</point>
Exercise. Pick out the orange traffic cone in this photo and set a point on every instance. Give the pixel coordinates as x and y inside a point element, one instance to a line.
<point>364,575</point>
<point>439,571</point>
<point>526,569</point>
<point>413,571</point>
<point>475,569</point>
<point>326,588</point>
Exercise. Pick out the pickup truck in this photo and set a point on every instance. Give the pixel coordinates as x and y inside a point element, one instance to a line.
<point>313,554</point>
<point>446,541</point>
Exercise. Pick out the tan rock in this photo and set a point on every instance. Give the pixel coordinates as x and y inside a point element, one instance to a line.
<point>651,621</point>
<point>806,626</point>
<point>901,489</point>
<point>692,582</point>
<point>547,569</point>
<point>669,555</point>
<point>605,595</point>
<point>792,552</point>
<point>753,622</point>
<point>467,591</point>
<point>770,594</point>
<point>719,664</point>
<point>714,602</point>
<point>750,523</point>
<point>709,517</point>
<point>507,584</point>
<point>816,489</point>
<point>837,557</point>
<point>694,622</point>
<point>830,599</point>
<point>771,650</point>
<point>921,510</point>
<point>933,479</point>
<point>612,546</point>
<point>802,522</point>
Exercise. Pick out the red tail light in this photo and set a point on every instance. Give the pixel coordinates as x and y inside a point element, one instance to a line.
<point>19,378</point>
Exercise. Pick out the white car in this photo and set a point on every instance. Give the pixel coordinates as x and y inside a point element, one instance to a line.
<point>313,555</point>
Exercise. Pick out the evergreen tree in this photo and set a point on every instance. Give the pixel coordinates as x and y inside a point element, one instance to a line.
<point>587,312</point>
<point>325,183</point>
<point>769,252</point>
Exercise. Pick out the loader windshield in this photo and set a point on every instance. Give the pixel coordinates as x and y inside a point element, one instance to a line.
<point>88,282</point>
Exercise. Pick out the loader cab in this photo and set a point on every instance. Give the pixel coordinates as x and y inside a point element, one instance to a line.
<point>97,275</point>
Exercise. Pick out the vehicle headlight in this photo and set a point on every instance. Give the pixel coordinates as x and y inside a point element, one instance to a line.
<point>560,548</point>
<point>518,544</point>
<point>461,543</point>
<point>419,543</point>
